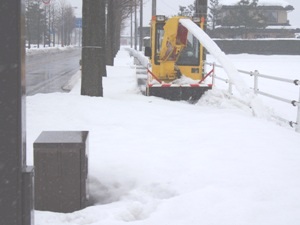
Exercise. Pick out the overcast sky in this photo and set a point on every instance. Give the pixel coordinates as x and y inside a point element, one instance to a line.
<point>171,7</point>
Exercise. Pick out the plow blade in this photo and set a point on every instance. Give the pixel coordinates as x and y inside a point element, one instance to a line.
<point>178,93</point>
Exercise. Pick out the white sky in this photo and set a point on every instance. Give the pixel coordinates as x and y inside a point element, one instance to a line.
<point>168,7</point>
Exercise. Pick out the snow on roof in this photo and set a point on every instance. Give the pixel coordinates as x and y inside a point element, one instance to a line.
<point>282,3</point>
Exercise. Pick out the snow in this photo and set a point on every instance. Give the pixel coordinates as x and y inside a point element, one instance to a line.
<point>41,50</point>
<point>232,73</point>
<point>282,3</point>
<point>154,161</point>
<point>277,27</point>
<point>282,66</point>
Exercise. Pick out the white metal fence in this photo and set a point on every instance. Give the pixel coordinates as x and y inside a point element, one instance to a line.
<point>256,78</point>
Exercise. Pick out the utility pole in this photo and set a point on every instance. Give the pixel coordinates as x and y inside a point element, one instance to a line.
<point>63,28</point>
<point>141,25</point>
<point>201,11</point>
<point>16,179</point>
<point>135,26</point>
<point>201,8</point>
<point>153,7</point>
<point>131,29</point>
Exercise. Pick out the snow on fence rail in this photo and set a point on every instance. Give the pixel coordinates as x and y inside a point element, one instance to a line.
<point>256,75</point>
<point>139,56</point>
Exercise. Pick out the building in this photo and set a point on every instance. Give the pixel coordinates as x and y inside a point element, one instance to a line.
<point>126,39</point>
<point>267,19</point>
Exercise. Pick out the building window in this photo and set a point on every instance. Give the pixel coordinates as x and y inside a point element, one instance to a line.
<point>271,16</point>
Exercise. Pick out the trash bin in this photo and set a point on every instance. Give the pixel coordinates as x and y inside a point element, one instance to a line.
<point>61,170</point>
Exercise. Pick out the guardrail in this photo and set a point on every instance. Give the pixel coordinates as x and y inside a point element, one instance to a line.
<point>256,75</point>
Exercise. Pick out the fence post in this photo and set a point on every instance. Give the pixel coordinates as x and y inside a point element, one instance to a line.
<point>255,81</point>
<point>230,88</point>
<point>298,115</point>
<point>16,186</point>
<point>213,75</point>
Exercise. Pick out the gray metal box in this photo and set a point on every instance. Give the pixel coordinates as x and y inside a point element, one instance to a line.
<point>61,168</point>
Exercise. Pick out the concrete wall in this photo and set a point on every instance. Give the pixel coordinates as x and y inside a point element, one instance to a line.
<point>262,47</point>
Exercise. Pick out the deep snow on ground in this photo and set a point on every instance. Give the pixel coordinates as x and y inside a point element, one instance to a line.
<point>153,161</point>
<point>281,66</point>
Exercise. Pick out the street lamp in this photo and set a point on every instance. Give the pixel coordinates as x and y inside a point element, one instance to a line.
<point>77,27</point>
<point>141,26</point>
<point>153,7</point>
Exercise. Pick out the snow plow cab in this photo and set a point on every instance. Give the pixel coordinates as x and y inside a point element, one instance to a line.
<point>177,70</point>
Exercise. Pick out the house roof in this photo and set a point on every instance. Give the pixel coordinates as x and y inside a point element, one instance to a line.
<point>280,3</point>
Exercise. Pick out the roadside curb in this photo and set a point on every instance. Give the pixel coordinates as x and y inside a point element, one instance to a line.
<point>72,82</point>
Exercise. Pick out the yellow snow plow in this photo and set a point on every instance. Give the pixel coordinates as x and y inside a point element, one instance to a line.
<point>176,57</point>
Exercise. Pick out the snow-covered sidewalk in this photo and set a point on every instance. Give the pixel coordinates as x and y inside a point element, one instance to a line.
<point>154,161</point>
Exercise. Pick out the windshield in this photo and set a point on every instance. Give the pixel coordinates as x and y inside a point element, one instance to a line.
<point>190,55</point>
<point>159,38</point>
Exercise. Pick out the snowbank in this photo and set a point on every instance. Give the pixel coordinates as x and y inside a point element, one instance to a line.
<point>43,50</point>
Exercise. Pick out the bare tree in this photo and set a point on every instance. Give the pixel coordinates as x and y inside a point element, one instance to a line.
<point>35,23</point>
<point>46,20</point>
<point>118,11</point>
<point>110,31</point>
<point>64,22</point>
<point>214,13</point>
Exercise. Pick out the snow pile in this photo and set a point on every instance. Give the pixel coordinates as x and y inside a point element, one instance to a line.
<point>282,3</point>
<point>122,59</point>
<point>185,80</point>
<point>140,56</point>
<point>42,50</point>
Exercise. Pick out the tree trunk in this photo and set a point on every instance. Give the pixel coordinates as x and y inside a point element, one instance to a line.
<point>93,47</point>
<point>117,32</point>
<point>113,30</point>
<point>110,32</point>
<point>103,38</point>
